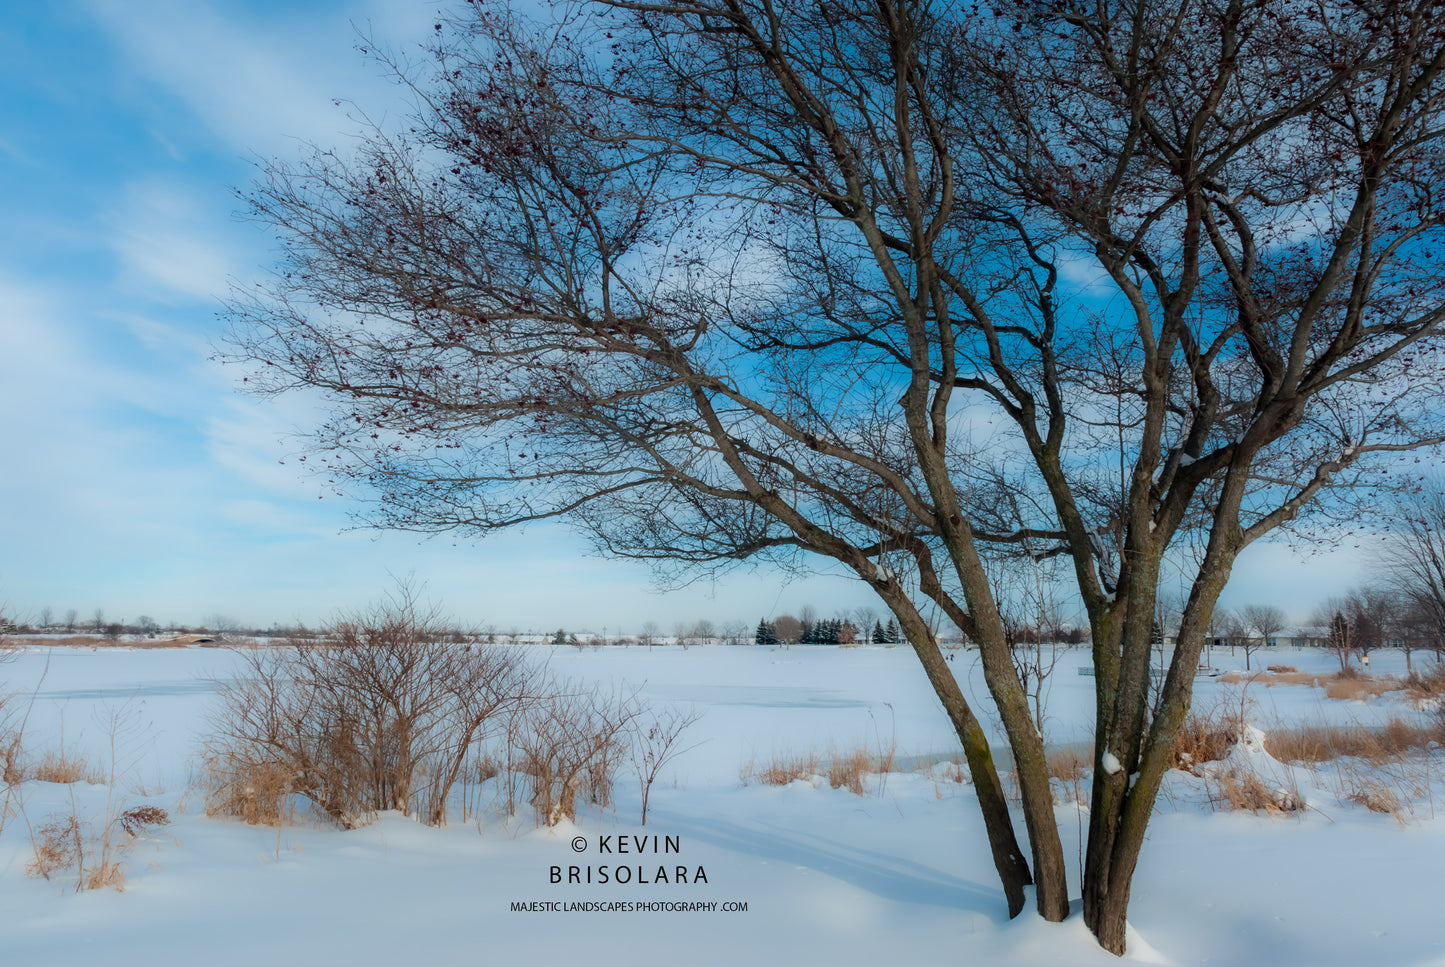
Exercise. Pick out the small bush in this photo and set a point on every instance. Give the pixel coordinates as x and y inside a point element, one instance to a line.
<point>1282,669</point>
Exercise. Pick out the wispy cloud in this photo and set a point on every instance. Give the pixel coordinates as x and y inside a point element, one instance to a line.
<point>254,79</point>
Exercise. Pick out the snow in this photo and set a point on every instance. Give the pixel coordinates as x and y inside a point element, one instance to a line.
<point>901,875</point>
<point>1110,763</point>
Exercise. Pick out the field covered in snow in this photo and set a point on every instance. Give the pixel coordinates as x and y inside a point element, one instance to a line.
<point>900,874</point>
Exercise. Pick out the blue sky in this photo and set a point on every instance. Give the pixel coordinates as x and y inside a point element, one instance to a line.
<point>137,479</point>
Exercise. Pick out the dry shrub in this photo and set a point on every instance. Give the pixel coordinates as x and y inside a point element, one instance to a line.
<point>485,766</point>
<point>1282,669</point>
<point>60,766</point>
<point>384,714</point>
<point>139,819</point>
<point>656,741</point>
<point>59,845</point>
<point>570,742</point>
<point>11,770</point>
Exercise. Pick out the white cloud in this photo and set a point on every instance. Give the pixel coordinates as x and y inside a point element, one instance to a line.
<point>164,236</point>
<point>253,82</point>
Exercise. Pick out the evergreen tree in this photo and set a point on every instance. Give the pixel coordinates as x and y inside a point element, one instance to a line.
<point>560,637</point>
<point>765,634</point>
<point>876,636</point>
<point>892,632</point>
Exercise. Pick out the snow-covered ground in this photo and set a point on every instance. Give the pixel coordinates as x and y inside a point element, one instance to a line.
<point>898,876</point>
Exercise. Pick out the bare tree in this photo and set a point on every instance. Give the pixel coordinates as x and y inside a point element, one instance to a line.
<point>788,629</point>
<point>1415,561</point>
<point>1262,623</point>
<point>716,281</point>
<point>736,632</point>
<point>70,618</point>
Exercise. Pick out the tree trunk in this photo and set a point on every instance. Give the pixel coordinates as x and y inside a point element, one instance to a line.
<point>1008,858</point>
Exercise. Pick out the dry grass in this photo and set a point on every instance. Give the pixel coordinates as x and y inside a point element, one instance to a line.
<point>253,791</point>
<point>1070,767</point>
<point>1345,686</point>
<point>850,769</point>
<point>1241,789</point>
<point>1311,744</point>
<point>1271,679</point>
<point>1206,736</point>
<point>1427,684</point>
<point>1377,796</point>
<point>98,641</point>
<point>56,765</point>
<point>1358,689</point>
<point>955,770</point>
<point>780,769</point>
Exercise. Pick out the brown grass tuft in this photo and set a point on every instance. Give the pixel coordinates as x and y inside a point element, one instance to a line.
<point>1236,788</point>
<point>1376,796</point>
<point>1427,684</point>
<point>253,791</point>
<point>1206,736</point>
<point>849,769</point>
<point>1321,743</point>
<point>59,766</point>
<point>780,770</point>
<point>1282,669</point>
